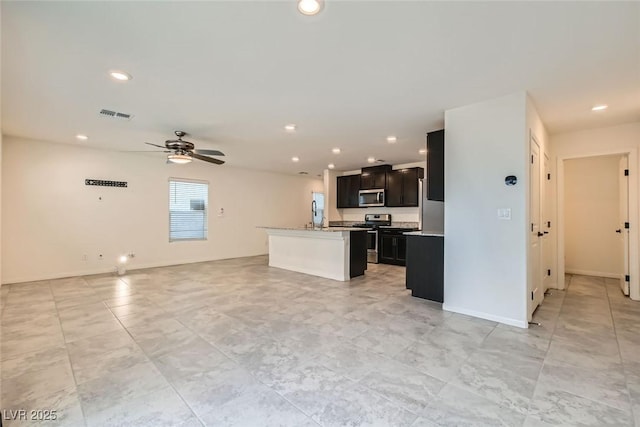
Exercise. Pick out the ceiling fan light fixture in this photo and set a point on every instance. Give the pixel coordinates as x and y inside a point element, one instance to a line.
<point>309,7</point>
<point>120,75</point>
<point>180,159</point>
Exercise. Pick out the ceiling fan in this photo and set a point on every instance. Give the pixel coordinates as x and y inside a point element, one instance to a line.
<point>183,152</point>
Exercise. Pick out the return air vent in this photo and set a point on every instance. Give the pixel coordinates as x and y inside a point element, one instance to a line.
<point>115,114</point>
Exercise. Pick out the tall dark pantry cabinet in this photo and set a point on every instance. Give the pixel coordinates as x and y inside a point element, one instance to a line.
<point>425,249</point>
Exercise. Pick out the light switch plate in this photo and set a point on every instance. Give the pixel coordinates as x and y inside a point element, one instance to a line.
<point>504,213</point>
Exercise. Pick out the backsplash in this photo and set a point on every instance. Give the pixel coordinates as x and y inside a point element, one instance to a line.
<point>397,214</point>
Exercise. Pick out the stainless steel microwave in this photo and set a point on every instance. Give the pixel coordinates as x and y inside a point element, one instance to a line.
<point>371,198</point>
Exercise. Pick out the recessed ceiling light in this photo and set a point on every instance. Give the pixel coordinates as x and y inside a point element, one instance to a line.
<point>335,150</point>
<point>309,7</point>
<point>392,139</point>
<point>290,127</point>
<point>600,107</point>
<point>422,151</point>
<point>120,75</point>
<point>331,166</point>
<point>82,137</point>
<point>371,160</point>
<point>295,159</point>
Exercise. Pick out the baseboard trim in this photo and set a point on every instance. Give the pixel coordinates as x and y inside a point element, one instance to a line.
<point>112,269</point>
<point>592,273</point>
<point>486,316</point>
<point>309,271</point>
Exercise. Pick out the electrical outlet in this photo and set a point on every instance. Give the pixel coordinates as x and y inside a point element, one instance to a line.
<point>131,254</point>
<point>84,257</point>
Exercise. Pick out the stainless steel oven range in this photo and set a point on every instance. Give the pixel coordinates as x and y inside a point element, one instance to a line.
<point>374,221</point>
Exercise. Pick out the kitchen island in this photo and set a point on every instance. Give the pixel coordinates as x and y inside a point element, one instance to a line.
<point>338,253</point>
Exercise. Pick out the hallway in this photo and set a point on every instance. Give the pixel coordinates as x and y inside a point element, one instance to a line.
<point>592,354</point>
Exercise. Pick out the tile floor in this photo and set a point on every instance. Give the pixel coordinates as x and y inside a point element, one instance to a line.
<point>235,342</point>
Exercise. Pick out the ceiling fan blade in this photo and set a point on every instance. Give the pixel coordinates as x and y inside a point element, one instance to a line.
<point>148,151</point>
<point>207,159</point>
<point>209,152</point>
<point>155,145</point>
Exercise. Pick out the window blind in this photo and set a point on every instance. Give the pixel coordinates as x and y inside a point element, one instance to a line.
<point>188,205</point>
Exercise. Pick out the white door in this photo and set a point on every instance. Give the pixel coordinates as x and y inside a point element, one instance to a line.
<point>535,293</point>
<point>547,247</point>
<point>623,180</point>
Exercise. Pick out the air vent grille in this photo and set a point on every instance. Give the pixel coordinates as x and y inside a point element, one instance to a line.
<point>115,114</point>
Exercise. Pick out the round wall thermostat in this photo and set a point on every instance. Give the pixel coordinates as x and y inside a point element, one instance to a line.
<point>511,180</point>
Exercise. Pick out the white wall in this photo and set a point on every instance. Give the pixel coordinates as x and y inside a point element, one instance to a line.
<point>485,268</point>
<point>51,219</point>
<point>397,214</point>
<point>0,150</point>
<point>591,214</point>
<point>621,139</point>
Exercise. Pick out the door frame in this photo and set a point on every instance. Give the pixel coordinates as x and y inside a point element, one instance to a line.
<point>634,235</point>
<point>548,250</point>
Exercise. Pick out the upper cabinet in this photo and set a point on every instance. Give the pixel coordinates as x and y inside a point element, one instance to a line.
<point>374,178</point>
<point>403,187</point>
<point>347,191</point>
<point>435,166</point>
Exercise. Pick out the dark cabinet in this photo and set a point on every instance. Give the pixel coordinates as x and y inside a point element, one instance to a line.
<point>374,177</point>
<point>425,267</point>
<point>435,166</point>
<point>392,247</point>
<point>358,241</point>
<point>347,191</point>
<point>402,187</point>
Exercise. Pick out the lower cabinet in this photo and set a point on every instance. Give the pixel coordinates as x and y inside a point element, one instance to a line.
<point>357,253</point>
<point>392,247</point>
<point>425,267</point>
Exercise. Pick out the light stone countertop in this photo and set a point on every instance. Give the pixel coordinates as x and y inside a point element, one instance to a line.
<point>324,229</point>
<point>424,233</point>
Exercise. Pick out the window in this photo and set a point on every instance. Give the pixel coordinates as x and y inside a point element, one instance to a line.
<point>188,202</point>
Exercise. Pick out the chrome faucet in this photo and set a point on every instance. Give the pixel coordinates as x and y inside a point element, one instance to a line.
<point>313,214</point>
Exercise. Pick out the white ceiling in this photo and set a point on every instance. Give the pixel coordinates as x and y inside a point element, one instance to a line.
<point>234,73</point>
